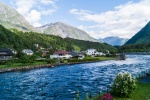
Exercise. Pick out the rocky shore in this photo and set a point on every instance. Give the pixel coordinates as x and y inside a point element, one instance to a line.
<point>24,68</point>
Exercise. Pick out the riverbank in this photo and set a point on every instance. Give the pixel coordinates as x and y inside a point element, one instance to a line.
<point>141,93</point>
<point>12,68</point>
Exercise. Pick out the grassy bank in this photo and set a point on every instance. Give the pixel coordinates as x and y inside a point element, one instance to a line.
<point>15,65</point>
<point>10,64</point>
<point>141,93</point>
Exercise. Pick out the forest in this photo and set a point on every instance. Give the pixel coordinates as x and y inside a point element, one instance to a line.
<point>18,40</point>
<point>134,48</point>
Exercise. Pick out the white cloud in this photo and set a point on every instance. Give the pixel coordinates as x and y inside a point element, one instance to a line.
<point>33,10</point>
<point>33,17</point>
<point>47,12</point>
<point>24,6</point>
<point>52,2</point>
<point>124,21</point>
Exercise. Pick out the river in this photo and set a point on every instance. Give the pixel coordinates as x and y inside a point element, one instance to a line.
<point>63,82</point>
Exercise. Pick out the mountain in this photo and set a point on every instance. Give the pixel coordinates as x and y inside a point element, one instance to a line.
<point>66,31</point>
<point>10,18</point>
<point>20,40</point>
<point>114,40</point>
<point>142,37</point>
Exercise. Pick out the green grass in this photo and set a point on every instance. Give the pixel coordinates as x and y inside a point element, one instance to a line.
<point>15,65</point>
<point>142,92</point>
<point>106,58</point>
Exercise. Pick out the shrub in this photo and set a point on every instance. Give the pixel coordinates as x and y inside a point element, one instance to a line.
<point>124,84</point>
<point>51,61</point>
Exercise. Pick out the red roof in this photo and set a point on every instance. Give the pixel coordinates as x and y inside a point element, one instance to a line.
<point>61,52</point>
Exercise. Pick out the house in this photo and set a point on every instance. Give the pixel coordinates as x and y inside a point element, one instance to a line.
<point>99,54</point>
<point>77,55</point>
<point>74,54</point>
<point>91,51</point>
<point>36,45</point>
<point>44,53</point>
<point>81,56</point>
<point>62,54</point>
<point>6,54</point>
<point>28,52</point>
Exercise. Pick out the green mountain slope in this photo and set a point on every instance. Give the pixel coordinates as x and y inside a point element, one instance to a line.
<point>18,40</point>
<point>10,18</point>
<point>142,37</point>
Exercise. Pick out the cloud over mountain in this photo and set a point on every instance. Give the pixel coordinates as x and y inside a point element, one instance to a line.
<point>33,10</point>
<point>124,21</point>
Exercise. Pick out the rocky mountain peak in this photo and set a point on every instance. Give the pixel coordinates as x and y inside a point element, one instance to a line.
<point>10,18</point>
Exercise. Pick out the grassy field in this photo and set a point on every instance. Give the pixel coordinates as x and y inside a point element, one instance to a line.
<point>141,93</point>
<point>106,58</point>
<point>14,65</point>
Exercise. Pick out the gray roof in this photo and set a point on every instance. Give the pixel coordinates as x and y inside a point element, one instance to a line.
<point>6,52</point>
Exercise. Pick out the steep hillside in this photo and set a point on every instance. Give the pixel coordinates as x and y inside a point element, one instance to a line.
<point>115,41</point>
<point>18,40</point>
<point>66,31</point>
<point>142,37</point>
<point>10,18</point>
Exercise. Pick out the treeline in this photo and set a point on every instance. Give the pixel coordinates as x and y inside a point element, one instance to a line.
<point>135,48</point>
<point>19,40</point>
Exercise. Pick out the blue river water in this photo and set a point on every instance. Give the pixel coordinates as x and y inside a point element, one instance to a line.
<point>63,82</point>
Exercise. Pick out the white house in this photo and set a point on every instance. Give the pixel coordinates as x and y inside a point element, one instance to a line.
<point>100,54</point>
<point>91,51</point>
<point>28,51</point>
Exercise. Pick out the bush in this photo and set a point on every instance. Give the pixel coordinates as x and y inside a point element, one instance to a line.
<point>124,84</point>
<point>24,59</point>
<point>51,61</point>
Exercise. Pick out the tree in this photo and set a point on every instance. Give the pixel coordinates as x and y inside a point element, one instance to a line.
<point>24,59</point>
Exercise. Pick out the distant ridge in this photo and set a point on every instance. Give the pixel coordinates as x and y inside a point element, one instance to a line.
<point>66,31</point>
<point>114,40</point>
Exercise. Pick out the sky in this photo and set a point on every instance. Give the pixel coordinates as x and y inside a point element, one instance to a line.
<point>99,18</point>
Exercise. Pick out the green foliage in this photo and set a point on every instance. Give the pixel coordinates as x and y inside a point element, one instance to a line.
<point>124,84</point>
<point>140,93</point>
<point>27,59</point>
<point>135,48</point>
<point>78,96</point>
<point>38,53</point>
<point>24,59</point>
<point>18,40</point>
<point>140,42</point>
<point>51,61</point>
<point>87,97</point>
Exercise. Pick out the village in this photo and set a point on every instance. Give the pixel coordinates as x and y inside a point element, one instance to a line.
<point>45,54</point>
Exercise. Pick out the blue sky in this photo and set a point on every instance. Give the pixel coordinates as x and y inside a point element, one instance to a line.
<point>99,18</point>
